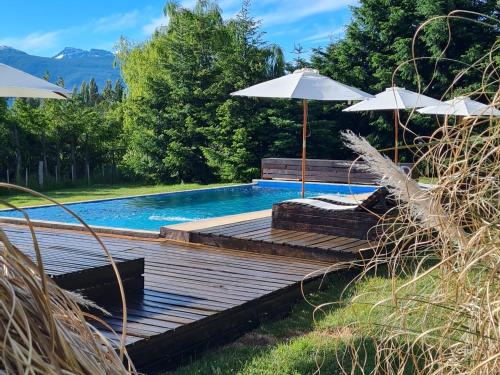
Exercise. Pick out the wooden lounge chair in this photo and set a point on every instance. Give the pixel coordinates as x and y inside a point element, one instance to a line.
<point>348,216</point>
<point>377,201</point>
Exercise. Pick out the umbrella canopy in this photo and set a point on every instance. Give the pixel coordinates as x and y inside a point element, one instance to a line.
<point>16,83</point>
<point>461,106</point>
<point>394,98</point>
<point>306,84</point>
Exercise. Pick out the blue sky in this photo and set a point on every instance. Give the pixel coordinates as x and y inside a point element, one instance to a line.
<point>45,27</point>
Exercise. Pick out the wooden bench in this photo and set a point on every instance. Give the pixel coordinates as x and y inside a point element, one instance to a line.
<point>319,170</point>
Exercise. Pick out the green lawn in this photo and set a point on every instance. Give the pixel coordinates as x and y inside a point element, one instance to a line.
<point>97,192</point>
<point>298,345</point>
<point>428,180</point>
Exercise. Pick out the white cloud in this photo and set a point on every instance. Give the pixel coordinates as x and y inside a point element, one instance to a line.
<point>295,10</point>
<point>153,24</point>
<point>51,41</point>
<point>322,36</point>
<point>37,41</point>
<point>114,22</point>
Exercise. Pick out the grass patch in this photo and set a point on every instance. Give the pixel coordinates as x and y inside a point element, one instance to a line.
<point>428,180</point>
<point>293,345</point>
<point>298,344</point>
<point>78,194</point>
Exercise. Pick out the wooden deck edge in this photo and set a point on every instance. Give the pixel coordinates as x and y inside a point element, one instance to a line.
<point>173,348</point>
<point>101,275</point>
<point>262,247</point>
<point>175,234</point>
<point>259,247</point>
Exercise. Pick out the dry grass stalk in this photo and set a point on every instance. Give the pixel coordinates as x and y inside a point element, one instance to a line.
<point>43,329</point>
<point>443,313</point>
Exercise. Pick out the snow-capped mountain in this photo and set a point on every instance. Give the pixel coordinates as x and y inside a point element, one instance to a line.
<point>77,53</point>
<point>74,65</point>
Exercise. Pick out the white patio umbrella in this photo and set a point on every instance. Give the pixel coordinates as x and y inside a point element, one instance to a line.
<point>16,83</point>
<point>394,98</point>
<point>306,84</point>
<point>461,106</point>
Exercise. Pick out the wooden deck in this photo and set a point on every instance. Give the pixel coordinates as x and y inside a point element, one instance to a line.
<point>74,268</point>
<point>194,295</point>
<point>258,236</point>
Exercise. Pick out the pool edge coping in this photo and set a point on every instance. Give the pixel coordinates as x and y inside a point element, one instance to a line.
<point>138,233</point>
<point>128,197</point>
<point>298,182</point>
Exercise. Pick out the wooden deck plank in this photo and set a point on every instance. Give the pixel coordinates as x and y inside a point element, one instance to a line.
<point>248,227</point>
<point>237,226</point>
<point>193,294</point>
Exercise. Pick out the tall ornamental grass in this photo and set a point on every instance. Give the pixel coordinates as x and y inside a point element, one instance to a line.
<point>45,329</point>
<point>442,249</point>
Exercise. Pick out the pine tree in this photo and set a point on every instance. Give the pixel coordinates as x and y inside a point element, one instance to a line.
<point>84,93</point>
<point>379,39</point>
<point>119,91</point>
<point>107,91</point>
<point>93,91</point>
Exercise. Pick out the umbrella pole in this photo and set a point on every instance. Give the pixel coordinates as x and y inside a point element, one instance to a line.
<point>304,138</point>
<point>396,136</point>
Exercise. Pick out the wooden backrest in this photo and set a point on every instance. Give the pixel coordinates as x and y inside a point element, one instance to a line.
<point>318,170</point>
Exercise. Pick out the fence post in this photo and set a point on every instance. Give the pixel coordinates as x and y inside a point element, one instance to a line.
<point>40,173</point>
<point>8,176</point>
<point>88,174</point>
<point>26,177</point>
<point>56,173</point>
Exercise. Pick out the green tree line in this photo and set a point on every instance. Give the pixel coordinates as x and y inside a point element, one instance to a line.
<point>70,138</point>
<point>176,120</point>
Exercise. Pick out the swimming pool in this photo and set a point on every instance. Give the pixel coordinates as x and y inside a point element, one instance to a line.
<point>150,212</point>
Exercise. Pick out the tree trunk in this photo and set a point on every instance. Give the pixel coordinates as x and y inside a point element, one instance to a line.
<point>43,140</point>
<point>87,161</point>
<point>40,173</point>
<point>73,162</point>
<point>112,168</point>
<point>19,160</point>
<point>58,163</point>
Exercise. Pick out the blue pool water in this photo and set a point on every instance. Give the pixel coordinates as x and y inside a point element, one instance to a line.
<point>153,211</point>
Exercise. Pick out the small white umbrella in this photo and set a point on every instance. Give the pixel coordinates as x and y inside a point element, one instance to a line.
<point>394,98</point>
<point>461,106</point>
<point>16,83</point>
<point>306,84</point>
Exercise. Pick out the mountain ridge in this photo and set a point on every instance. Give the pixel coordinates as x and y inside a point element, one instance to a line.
<point>72,52</point>
<point>74,65</point>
